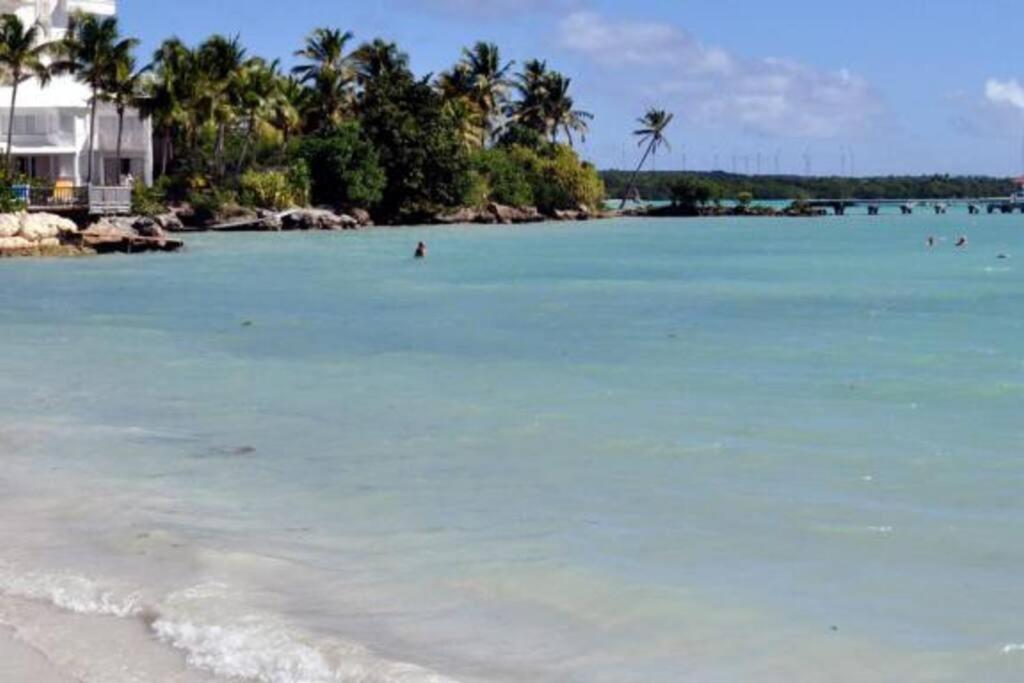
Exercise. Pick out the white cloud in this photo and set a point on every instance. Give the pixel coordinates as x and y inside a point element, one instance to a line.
<point>768,96</point>
<point>1009,92</point>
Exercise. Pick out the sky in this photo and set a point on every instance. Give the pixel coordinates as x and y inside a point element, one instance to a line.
<point>793,86</point>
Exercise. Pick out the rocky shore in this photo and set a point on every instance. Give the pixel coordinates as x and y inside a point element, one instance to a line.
<point>47,234</point>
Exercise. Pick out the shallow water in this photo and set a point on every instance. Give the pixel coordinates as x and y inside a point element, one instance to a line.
<point>708,450</point>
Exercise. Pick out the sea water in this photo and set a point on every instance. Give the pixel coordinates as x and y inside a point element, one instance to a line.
<point>636,450</point>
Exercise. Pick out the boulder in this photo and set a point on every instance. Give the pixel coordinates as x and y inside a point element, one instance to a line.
<point>169,222</point>
<point>39,226</point>
<point>10,224</point>
<point>566,215</point>
<point>110,235</point>
<point>316,219</point>
<point>147,227</point>
<point>8,244</point>
<point>49,243</point>
<point>362,217</point>
<point>464,215</point>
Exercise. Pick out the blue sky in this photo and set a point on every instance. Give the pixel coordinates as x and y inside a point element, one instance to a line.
<point>866,87</point>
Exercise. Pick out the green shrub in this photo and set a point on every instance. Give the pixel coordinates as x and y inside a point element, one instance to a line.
<point>213,204</point>
<point>267,190</point>
<point>559,179</point>
<point>342,168</point>
<point>9,202</point>
<point>506,180</point>
<point>147,201</point>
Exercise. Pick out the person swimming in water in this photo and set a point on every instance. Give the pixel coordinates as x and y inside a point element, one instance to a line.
<point>931,240</point>
<point>962,242</point>
<point>421,250</point>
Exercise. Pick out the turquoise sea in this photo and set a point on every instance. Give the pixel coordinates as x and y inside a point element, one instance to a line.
<point>640,450</point>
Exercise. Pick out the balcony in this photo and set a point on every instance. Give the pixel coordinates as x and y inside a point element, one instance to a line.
<point>94,200</point>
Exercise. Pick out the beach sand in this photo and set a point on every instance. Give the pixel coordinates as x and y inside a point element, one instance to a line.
<point>20,662</point>
<point>49,645</point>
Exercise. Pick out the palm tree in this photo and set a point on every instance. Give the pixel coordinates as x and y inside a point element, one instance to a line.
<point>487,80</point>
<point>329,71</point>
<point>532,85</point>
<point>558,111</point>
<point>652,134</point>
<point>259,93</point>
<point>22,57</point>
<point>289,106</point>
<point>169,93</point>
<point>378,60</point>
<point>123,89</point>
<point>90,51</point>
<point>220,62</point>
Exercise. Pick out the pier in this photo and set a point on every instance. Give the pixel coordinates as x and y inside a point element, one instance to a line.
<point>873,207</point>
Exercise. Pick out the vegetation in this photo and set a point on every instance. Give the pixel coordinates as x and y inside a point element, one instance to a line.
<point>660,186</point>
<point>652,137</point>
<point>359,126</point>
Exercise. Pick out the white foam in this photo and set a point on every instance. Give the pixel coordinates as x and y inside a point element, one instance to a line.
<point>72,593</point>
<point>1013,648</point>
<point>255,647</point>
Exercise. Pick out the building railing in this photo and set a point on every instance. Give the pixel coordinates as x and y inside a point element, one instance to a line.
<point>95,199</point>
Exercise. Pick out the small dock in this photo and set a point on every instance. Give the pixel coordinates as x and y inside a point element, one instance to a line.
<point>873,207</point>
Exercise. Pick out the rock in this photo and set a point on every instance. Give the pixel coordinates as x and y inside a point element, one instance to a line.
<point>566,215</point>
<point>49,243</point>
<point>10,224</point>
<point>147,227</point>
<point>169,222</point>
<point>316,219</point>
<point>349,222</point>
<point>110,235</point>
<point>362,217</point>
<point>15,244</point>
<point>464,215</point>
<point>39,226</point>
<point>511,214</point>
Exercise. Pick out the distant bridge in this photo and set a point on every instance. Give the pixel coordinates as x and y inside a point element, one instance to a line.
<point>907,206</point>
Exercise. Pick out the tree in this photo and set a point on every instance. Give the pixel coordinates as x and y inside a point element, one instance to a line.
<point>90,50</point>
<point>258,95</point>
<point>483,80</point>
<point>343,167</point>
<point>123,88</point>
<point>545,105</point>
<point>22,57</point>
<point>169,95</point>
<point>329,71</point>
<point>419,142</point>
<point>651,134</point>
<point>220,61</point>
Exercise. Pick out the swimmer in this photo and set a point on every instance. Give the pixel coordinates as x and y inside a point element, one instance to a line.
<point>931,240</point>
<point>962,242</point>
<point>421,250</point>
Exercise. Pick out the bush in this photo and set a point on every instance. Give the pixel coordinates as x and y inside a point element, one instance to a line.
<point>341,168</point>
<point>559,179</point>
<point>267,190</point>
<point>212,204</point>
<point>505,180</point>
<point>9,200</point>
<point>147,201</point>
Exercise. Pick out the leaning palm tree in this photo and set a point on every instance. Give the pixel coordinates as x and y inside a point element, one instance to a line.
<point>329,70</point>
<point>124,89</point>
<point>532,85</point>
<point>652,134</point>
<point>90,51</point>
<point>22,57</point>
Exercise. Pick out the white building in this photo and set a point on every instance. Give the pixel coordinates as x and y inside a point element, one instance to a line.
<point>51,124</point>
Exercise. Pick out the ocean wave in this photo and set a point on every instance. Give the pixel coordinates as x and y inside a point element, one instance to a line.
<point>254,647</point>
<point>68,592</point>
<point>1013,648</point>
